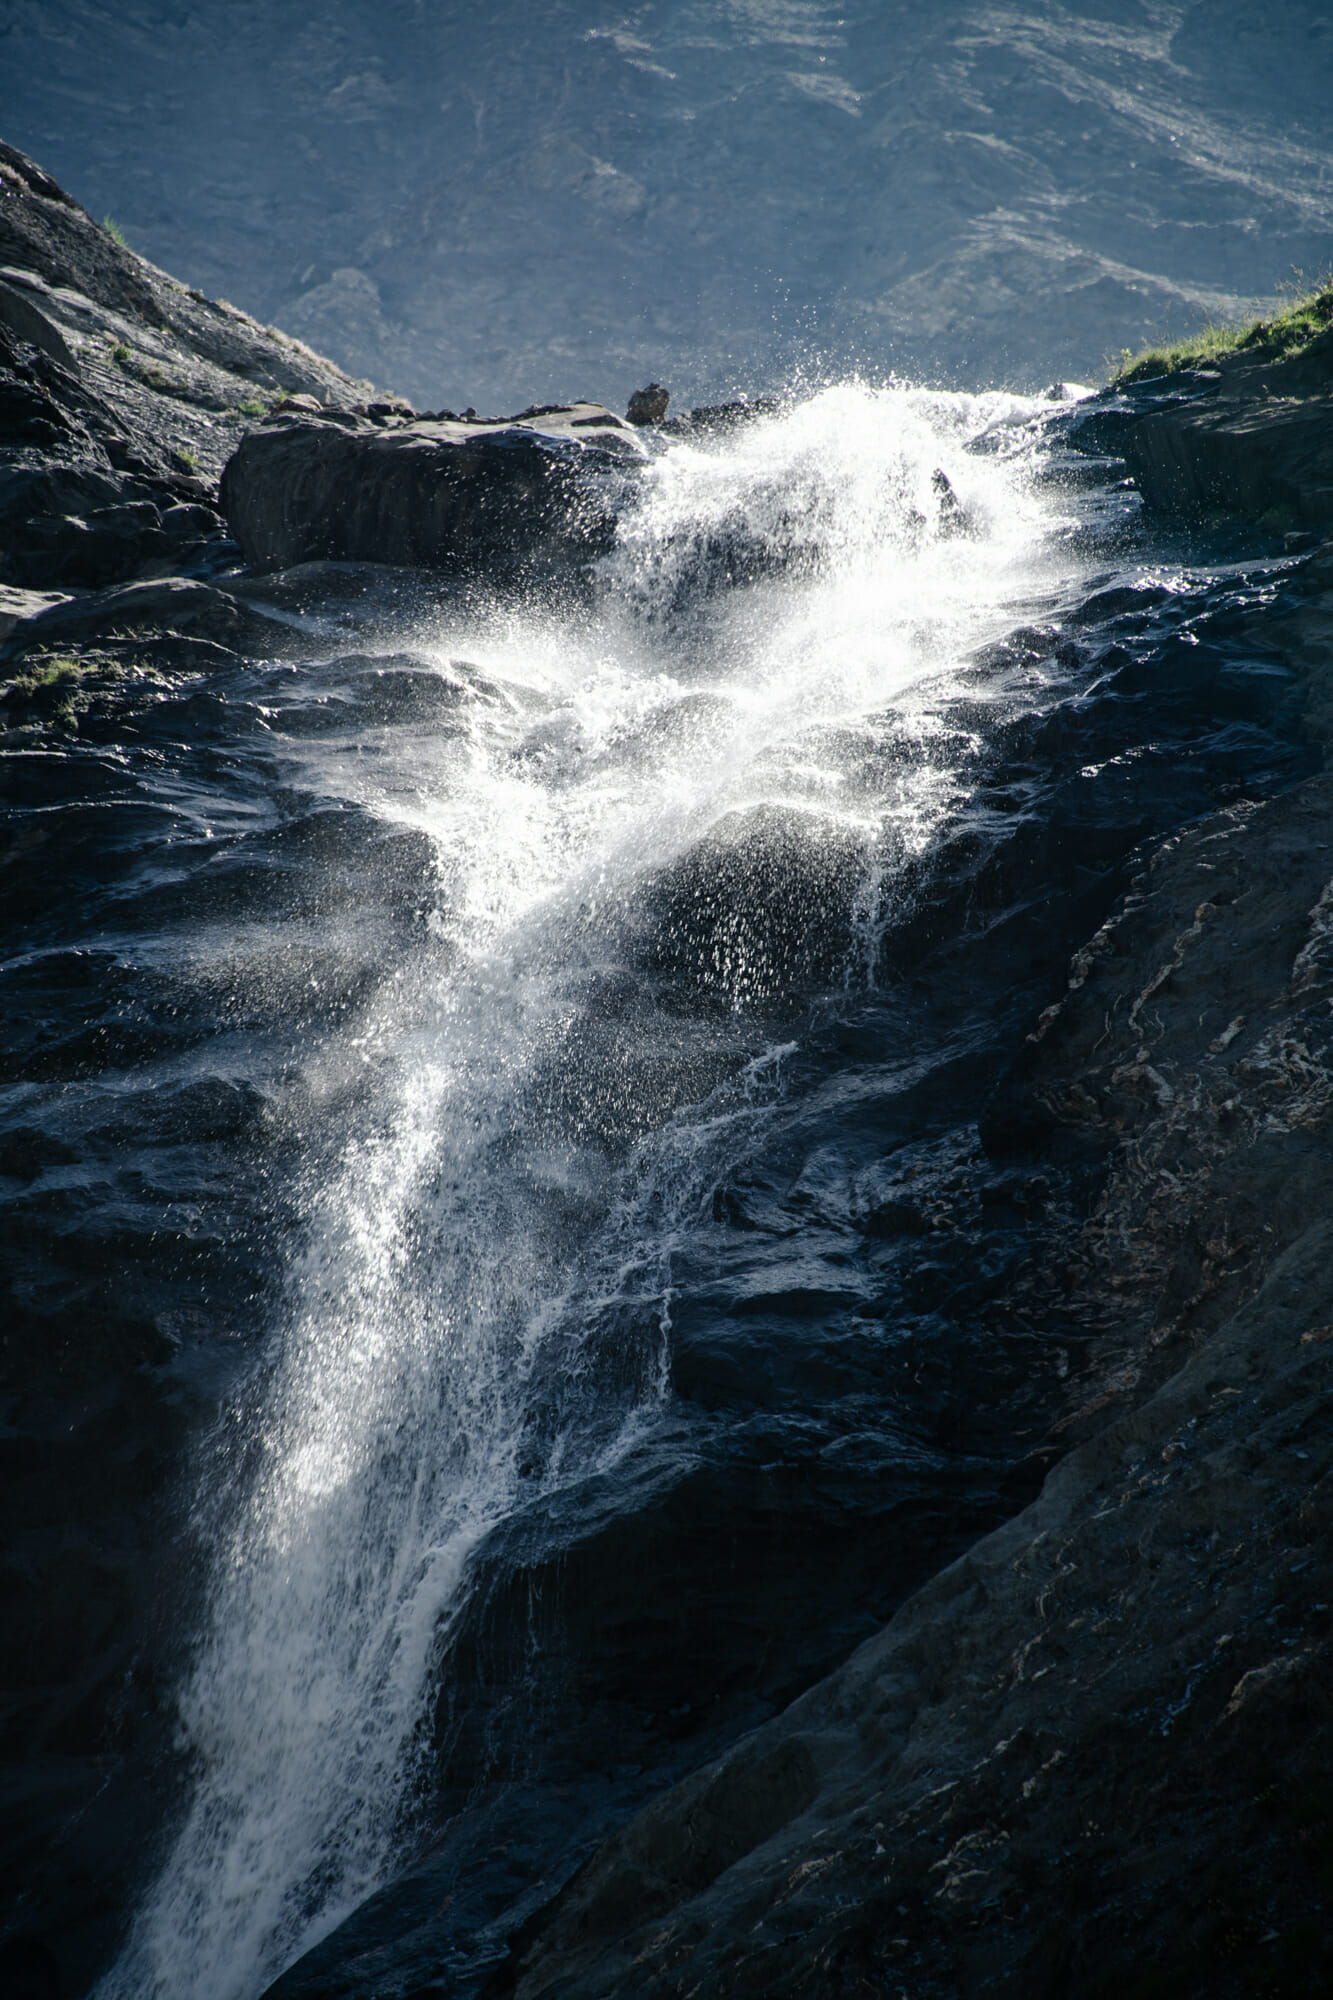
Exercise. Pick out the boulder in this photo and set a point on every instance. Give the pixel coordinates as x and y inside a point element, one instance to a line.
<point>1259,442</point>
<point>648,406</point>
<point>26,322</point>
<point>515,494</point>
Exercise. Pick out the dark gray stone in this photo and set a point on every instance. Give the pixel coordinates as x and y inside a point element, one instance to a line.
<point>500,497</point>
<point>648,406</point>
<point>167,604</point>
<point>22,317</point>
<point>1261,444</point>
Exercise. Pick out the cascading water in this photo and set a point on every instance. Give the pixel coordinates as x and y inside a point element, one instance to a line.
<point>593,1027</point>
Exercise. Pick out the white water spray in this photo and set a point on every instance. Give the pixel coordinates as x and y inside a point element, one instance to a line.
<point>524,1166</point>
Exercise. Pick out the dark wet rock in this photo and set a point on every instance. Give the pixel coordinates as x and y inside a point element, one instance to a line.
<point>1260,443</point>
<point>758,911</point>
<point>1130,1675</point>
<point>648,406</point>
<point>496,497</point>
<point>848,1402</point>
<point>175,604</point>
<point>29,1971</point>
<point>721,417</point>
<point>894,1218</point>
<point>122,1209</point>
<point>952,515</point>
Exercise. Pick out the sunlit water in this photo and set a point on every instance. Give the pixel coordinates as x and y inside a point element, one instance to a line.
<point>479,1314</point>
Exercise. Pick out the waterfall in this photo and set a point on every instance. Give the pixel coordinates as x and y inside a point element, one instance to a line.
<point>477,1317</point>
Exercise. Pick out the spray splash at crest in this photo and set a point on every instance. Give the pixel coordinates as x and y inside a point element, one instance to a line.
<point>662,798</point>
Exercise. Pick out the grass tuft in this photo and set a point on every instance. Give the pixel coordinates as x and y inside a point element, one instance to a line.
<point>55,692</point>
<point>1309,315</point>
<point>47,671</point>
<point>52,685</point>
<point>113,228</point>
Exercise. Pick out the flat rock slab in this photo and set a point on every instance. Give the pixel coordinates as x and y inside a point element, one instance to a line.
<point>166,604</point>
<point>18,605</point>
<point>519,494</point>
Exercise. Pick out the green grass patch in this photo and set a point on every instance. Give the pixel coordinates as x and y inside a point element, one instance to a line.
<point>113,228</point>
<point>1309,315</point>
<point>53,690</point>
<point>47,671</point>
<point>49,690</point>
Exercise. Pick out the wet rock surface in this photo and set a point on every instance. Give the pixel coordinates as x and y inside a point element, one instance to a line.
<point>1241,436</point>
<point>994,1228</point>
<point>902,1245</point>
<point>1092,1754</point>
<point>516,495</point>
<point>1089,1756</point>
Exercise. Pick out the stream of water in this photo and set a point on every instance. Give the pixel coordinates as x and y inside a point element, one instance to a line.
<point>663,834</point>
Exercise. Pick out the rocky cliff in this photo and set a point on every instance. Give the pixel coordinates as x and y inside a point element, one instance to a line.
<point>1091,1754</point>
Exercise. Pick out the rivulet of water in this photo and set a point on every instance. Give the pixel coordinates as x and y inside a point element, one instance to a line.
<point>630,805</point>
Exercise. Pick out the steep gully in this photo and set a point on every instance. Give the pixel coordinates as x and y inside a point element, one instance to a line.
<point>553,1068</point>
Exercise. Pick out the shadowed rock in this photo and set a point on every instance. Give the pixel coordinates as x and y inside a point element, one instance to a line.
<point>1132,1674</point>
<point>1258,441</point>
<point>438,492</point>
<point>171,604</point>
<point>648,406</point>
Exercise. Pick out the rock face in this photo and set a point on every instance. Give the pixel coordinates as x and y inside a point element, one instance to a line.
<point>1091,1756</point>
<point>523,193</point>
<point>1038,1778</point>
<point>1246,437</point>
<point>513,494</point>
<point>122,394</point>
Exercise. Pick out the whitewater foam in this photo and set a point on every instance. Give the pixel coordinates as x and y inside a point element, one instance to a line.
<point>771,636</point>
